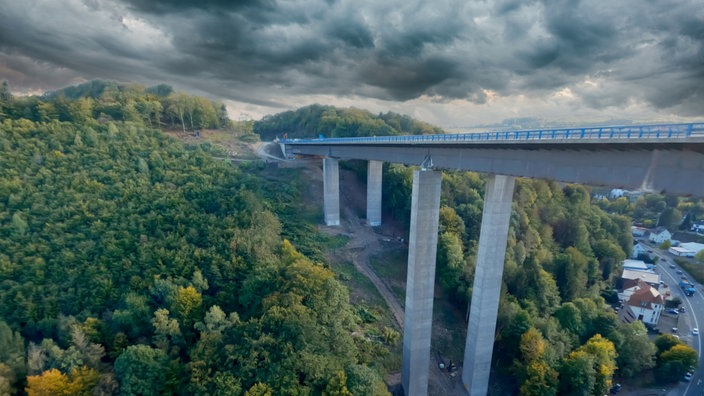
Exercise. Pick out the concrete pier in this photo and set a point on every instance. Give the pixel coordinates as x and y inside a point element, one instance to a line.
<point>487,284</point>
<point>374,169</point>
<point>423,241</point>
<point>331,195</point>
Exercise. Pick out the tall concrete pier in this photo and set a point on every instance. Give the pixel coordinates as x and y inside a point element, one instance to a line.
<point>420,281</point>
<point>487,284</point>
<point>374,193</point>
<point>331,194</point>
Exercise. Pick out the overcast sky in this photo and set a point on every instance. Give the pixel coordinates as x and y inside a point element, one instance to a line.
<point>450,63</point>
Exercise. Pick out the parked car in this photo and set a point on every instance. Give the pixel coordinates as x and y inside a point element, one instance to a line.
<point>672,311</point>
<point>679,272</point>
<point>682,310</point>
<point>615,389</point>
<point>695,331</point>
<point>688,376</point>
<point>672,266</point>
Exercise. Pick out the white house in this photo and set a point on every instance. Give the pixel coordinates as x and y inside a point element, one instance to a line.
<point>639,249</point>
<point>645,304</point>
<point>659,235</point>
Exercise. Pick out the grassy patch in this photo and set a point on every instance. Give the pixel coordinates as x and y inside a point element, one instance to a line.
<point>449,330</point>
<point>391,266</point>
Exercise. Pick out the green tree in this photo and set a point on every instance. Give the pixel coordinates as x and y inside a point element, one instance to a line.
<point>7,380</point>
<point>570,318</point>
<point>259,389</point>
<point>636,352</point>
<point>12,352</point>
<point>670,218</point>
<point>604,353</point>
<point>337,385</point>
<point>571,273</point>
<point>166,330</point>
<point>141,370</point>
<point>451,266</point>
<point>678,357</point>
<point>538,377</point>
<point>5,94</point>
<point>577,374</point>
<point>362,380</point>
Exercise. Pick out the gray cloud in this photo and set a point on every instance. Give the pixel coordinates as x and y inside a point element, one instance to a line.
<point>271,52</point>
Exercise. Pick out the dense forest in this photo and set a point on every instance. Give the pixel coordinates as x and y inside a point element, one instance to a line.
<point>328,121</point>
<point>654,210</point>
<point>103,101</point>
<point>131,263</point>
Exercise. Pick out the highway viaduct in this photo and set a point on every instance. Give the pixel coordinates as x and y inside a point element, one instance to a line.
<point>666,158</point>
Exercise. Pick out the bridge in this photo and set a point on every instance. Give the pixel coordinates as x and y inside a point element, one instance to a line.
<point>665,158</point>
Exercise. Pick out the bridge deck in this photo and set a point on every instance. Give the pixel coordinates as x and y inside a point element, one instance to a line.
<point>660,133</point>
<point>665,158</point>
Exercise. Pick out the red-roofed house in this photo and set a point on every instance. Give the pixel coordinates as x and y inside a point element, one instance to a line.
<point>645,304</point>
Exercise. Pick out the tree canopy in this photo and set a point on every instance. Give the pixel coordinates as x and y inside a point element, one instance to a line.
<point>131,263</point>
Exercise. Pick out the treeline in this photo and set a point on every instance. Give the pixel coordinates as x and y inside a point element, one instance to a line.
<point>130,264</point>
<point>328,121</point>
<point>652,210</point>
<point>154,107</point>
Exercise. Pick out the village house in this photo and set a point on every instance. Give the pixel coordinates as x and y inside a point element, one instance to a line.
<point>659,235</point>
<point>638,250</point>
<point>643,303</point>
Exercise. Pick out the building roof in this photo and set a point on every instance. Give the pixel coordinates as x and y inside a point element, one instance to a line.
<point>681,250</point>
<point>638,265</point>
<point>645,296</point>
<point>659,230</point>
<point>693,246</point>
<point>647,276</point>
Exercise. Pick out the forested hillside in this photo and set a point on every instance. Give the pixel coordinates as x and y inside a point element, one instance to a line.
<point>104,101</point>
<point>130,264</point>
<point>315,120</point>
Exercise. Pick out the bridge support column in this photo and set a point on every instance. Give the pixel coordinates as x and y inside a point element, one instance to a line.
<point>420,281</point>
<point>374,193</point>
<point>487,284</point>
<point>331,194</point>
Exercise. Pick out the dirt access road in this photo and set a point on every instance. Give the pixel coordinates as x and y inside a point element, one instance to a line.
<point>366,243</point>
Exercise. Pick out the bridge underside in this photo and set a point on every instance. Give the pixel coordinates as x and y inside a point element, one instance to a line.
<point>672,170</point>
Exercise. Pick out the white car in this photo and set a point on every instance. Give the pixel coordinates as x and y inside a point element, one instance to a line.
<point>688,376</point>
<point>695,331</point>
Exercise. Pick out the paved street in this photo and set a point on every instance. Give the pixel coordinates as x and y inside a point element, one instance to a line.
<point>692,318</point>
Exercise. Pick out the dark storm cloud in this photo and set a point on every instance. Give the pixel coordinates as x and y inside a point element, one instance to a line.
<point>255,50</point>
<point>171,6</point>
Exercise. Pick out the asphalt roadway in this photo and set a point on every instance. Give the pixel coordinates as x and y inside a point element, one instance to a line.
<point>692,318</point>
